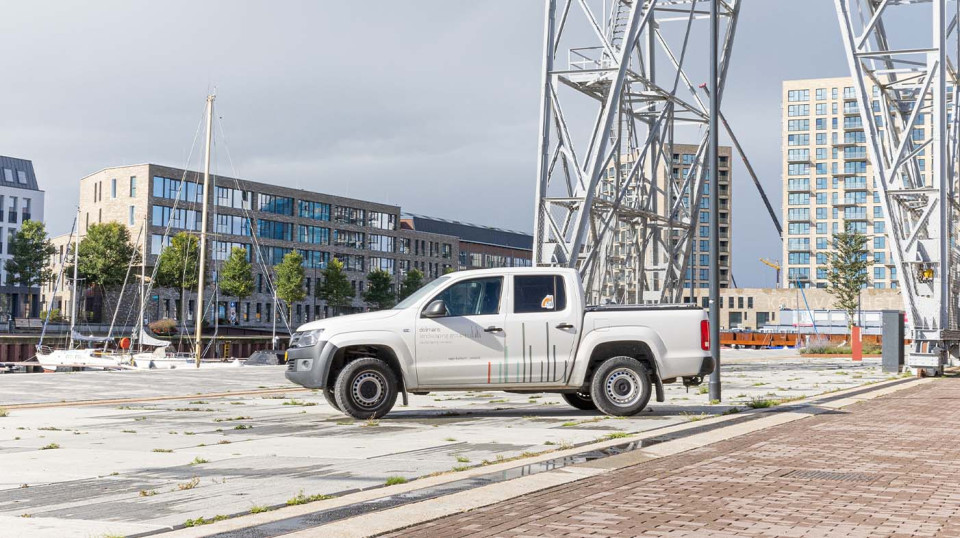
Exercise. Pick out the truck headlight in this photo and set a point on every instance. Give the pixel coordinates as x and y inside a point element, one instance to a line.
<point>307,338</point>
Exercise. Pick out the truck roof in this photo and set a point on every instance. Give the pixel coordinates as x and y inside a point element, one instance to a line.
<point>520,270</point>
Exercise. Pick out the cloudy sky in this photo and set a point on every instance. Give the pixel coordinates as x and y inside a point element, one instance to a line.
<point>431,105</point>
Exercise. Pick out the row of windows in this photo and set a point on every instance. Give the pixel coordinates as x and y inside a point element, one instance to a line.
<point>268,203</point>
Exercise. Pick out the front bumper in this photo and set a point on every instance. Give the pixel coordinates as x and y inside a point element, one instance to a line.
<point>707,366</point>
<point>310,366</point>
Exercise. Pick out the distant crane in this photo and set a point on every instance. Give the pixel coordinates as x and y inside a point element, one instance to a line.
<point>775,265</point>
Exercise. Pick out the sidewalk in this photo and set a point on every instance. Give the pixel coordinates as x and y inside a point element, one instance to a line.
<point>886,467</point>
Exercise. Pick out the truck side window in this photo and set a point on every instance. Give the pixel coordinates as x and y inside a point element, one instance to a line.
<point>477,297</point>
<point>541,293</point>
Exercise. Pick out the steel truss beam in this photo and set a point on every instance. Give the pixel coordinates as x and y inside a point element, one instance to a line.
<point>902,77</point>
<point>612,208</point>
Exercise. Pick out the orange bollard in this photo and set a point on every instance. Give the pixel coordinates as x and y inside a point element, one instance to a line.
<point>856,344</point>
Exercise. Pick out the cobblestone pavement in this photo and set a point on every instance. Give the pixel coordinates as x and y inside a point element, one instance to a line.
<point>886,467</point>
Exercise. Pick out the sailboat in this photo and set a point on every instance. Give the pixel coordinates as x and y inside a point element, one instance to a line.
<point>160,357</point>
<point>80,352</point>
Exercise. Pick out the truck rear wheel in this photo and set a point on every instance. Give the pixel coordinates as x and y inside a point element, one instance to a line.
<point>580,400</point>
<point>366,388</point>
<point>621,386</point>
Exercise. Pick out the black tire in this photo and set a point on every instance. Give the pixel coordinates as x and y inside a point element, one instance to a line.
<point>366,388</point>
<point>331,399</point>
<point>621,386</point>
<point>580,400</point>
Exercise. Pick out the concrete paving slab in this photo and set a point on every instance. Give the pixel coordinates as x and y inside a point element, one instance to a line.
<point>253,450</point>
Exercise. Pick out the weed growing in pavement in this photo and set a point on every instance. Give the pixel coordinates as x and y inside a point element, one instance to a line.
<point>49,429</point>
<point>731,411</point>
<point>394,480</point>
<point>759,384</point>
<point>194,482</point>
<point>26,515</point>
<point>694,418</point>
<point>501,400</point>
<point>138,419</point>
<point>714,402</point>
<point>51,446</point>
<point>458,468</point>
<point>761,403</point>
<point>300,498</point>
<point>148,492</point>
<point>242,427</point>
<point>201,521</point>
<point>703,389</point>
<point>237,403</point>
<point>128,431</point>
<point>228,419</point>
<point>223,442</point>
<point>370,423</point>
<point>199,402</point>
<point>614,435</point>
<point>198,460</point>
<point>451,439</point>
<point>549,443</point>
<point>259,508</point>
<point>164,450</point>
<point>293,401</point>
<point>4,412</point>
<point>462,459</point>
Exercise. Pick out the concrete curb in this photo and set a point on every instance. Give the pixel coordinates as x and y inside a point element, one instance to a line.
<point>420,512</point>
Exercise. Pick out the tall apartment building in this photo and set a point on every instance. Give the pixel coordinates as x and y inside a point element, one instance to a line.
<point>363,235</point>
<point>697,274</point>
<point>828,180</point>
<point>20,200</point>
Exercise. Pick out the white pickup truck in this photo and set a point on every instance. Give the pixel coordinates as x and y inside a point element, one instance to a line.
<point>517,330</point>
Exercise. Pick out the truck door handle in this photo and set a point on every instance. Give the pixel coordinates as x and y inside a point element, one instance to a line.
<point>565,326</point>
<point>492,329</point>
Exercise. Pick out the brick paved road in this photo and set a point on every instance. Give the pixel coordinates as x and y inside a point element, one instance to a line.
<point>886,467</point>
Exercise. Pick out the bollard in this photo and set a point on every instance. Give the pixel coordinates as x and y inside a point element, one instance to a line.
<point>856,343</point>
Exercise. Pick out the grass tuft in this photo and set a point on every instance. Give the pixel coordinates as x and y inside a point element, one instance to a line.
<point>164,450</point>
<point>51,446</point>
<point>194,482</point>
<point>394,480</point>
<point>202,521</point>
<point>198,460</point>
<point>300,498</point>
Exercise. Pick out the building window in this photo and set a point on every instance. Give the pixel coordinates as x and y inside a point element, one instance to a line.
<point>237,199</point>
<point>113,188</point>
<point>382,221</point>
<point>342,238</point>
<point>313,234</point>
<point>271,229</point>
<point>133,186</point>
<point>349,215</point>
<point>278,205</point>
<point>132,209</point>
<point>313,210</point>
<point>380,243</point>
<point>171,188</point>
<point>22,177</point>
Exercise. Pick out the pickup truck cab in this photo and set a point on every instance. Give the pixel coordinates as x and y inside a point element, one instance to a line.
<point>512,329</point>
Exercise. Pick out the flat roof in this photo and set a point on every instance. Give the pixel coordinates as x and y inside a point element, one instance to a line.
<point>471,233</point>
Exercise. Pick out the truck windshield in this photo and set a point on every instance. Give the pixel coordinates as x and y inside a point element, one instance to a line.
<point>420,293</point>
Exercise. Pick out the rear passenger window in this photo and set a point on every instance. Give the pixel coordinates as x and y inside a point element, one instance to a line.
<point>541,293</point>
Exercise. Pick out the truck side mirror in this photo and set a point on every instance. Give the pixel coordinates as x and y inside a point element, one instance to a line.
<point>436,309</point>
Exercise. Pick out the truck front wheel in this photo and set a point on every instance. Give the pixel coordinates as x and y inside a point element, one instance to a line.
<point>580,400</point>
<point>621,386</point>
<point>366,388</point>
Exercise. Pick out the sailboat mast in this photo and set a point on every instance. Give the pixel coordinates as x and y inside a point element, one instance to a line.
<point>143,285</point>
<point>73,288</point>
<point>201,277</point>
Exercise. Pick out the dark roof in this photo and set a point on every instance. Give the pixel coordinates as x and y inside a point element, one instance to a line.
<point>17,165</point>
<point>472,233</point>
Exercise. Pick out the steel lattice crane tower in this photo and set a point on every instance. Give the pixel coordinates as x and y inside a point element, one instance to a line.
<point>619,78</point>
<point>902,77</point>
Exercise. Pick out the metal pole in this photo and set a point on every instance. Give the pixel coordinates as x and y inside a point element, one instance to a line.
<point>201,277</point>
<point>714,206</point>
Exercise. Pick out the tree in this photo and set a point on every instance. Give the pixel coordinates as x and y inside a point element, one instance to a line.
<point>104,255</point>
<point>411,283</point>
<point>335,289</point>
<point>236,275</point>
<point>380,292</point>
<point>29,249</point>
<point>178,266</point>
<point>290,279</point>
<point>847,272</point>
